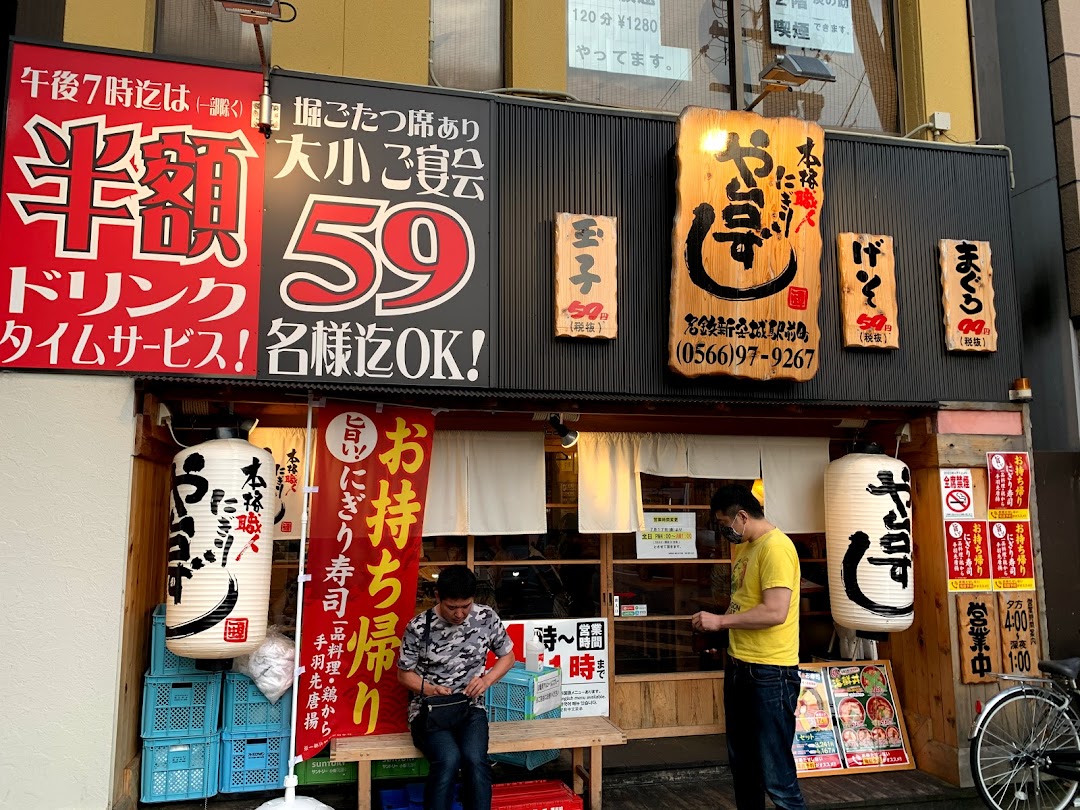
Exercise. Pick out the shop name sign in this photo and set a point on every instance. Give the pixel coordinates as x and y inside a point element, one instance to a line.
<point>746,246</point>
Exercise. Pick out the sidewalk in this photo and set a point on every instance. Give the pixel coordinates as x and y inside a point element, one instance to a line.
<point>687,773</point>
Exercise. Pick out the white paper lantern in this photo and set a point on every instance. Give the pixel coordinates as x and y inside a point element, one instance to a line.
<point>868,534</point>
<point>221,548</point>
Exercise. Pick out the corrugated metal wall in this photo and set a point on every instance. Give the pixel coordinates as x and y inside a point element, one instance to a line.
<point>553,159</point>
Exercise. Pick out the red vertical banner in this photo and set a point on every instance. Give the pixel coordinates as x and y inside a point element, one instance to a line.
<point>967,553</point>
<point>1009,493</point>
<point>363,558</point>
<point>130,215</point>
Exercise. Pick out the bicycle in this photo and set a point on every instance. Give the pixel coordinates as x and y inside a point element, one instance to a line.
<point>1025,743</point>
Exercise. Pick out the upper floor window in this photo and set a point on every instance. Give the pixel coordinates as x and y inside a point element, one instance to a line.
<point>666,54</point>
<point>202,29</point>
<point>467,48</point>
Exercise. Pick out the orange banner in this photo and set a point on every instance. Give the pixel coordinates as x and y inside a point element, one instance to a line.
<point>363,555</point>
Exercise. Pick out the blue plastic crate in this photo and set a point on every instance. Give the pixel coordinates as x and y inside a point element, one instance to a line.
<point>180,768</point>
<point>394,799</point>
<point>245,710</point>
<point>414,795</point>
<point>181,705</point>
<point>514,696</point>
<point>253,762</point>
<point>162,660</point>
<point>530,759</point>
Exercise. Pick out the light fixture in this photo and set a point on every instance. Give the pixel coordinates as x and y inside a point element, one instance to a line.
<point>790,71</point>
<point>256,12</point>
<point>1020,390</point>
<point>567,436</point>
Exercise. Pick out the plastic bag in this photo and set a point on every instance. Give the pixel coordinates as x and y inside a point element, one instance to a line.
<point>271,666</point>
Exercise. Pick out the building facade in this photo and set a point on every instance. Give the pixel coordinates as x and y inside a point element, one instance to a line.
<point>570,135</point>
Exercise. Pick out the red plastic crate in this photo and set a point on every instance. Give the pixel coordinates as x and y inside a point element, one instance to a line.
<point>547,794</point>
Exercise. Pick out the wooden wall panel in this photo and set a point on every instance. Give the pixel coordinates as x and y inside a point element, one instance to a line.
<point>144,588</point>
<point>682,704</point>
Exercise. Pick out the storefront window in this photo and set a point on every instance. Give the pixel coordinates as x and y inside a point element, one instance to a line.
<point>650,57</point>
<point>856,43</point>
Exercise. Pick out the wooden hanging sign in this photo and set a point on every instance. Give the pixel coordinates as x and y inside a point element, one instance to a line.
<point>980,639</point>
<point>1018,614</point>
<point>868,290</point>
<point>746,246</point>
<point>586,304</point>
<point>967,284</point>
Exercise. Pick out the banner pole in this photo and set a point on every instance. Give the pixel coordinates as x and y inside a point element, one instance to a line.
<point>301,577</point>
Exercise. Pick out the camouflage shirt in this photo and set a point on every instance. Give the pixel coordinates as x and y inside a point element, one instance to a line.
<point>457,653</point>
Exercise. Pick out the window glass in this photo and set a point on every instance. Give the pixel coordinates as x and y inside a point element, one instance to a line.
<point>467,52</point>
<point>644,646</point>
<point>863,59</point>
<point>673,590</point>
<point>660,56</point>
<point>202,29</point>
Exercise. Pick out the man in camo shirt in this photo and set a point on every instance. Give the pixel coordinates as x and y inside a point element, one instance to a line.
<point>462,634</point>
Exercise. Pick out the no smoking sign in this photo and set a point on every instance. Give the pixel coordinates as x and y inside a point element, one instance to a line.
<point>956,494</point>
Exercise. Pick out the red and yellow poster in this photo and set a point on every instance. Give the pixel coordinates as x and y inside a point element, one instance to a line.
<point>967,554</point>
<point>1012,556</point>
<point>364,549</point>
<point>816,747</point>
<point>1009,495</point>
<point>130,215</point>
<point>871,732</point>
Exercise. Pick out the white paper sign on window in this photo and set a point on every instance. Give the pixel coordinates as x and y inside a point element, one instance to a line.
<point>668,535</point>
<point>821,25</point>
<point>622,36</point>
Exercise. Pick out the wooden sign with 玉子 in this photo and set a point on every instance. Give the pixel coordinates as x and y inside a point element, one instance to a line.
<point>980,639</point>
<point>868,290</point>
<point>1018,617</point>
<point>746,246</point>
<point>967,292</point>
<point>585,278</point>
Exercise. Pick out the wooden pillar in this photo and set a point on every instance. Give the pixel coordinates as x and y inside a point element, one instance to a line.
<point>938,708</point>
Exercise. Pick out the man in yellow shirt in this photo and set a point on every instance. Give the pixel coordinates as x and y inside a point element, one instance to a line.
<point>761,683</point>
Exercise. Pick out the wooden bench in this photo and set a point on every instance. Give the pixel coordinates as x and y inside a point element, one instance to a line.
<point>575,733</point>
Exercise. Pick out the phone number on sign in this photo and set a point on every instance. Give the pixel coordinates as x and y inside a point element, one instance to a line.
<point>726,354</point>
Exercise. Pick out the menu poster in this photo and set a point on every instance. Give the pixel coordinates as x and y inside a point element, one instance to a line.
<point>815,748</point>
<point>871,730</point>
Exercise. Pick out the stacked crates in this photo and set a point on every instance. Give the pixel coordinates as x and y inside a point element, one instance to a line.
<point>179,725</point>
<point>545,795</point>
<point>523,695</point>
<point>254,739</point>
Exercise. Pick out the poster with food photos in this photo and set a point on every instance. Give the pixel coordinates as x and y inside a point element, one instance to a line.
<point>816,748</point>
<point>872,733</point>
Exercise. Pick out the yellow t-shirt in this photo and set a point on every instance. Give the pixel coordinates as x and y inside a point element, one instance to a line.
<point>768,562</point>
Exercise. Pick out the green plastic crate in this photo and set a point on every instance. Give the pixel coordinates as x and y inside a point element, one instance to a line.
<point>321,771</point>
<point>399,769</point>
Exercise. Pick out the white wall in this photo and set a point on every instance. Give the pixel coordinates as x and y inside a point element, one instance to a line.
<point>65,478</point>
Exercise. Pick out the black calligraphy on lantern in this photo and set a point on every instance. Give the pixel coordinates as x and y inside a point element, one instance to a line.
<point>189,487</point>
<point>866,273</point>
<point>970,277</point>
<point>978,631</point>
<point>894,542</point>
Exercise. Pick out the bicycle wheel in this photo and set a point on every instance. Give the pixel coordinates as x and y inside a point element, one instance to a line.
<point>1008,754</point>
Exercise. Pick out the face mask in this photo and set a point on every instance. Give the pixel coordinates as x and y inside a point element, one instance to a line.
<point>730,534</point>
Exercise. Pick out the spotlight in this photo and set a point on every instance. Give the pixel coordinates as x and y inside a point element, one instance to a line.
<point>790,71</point>
<point>569,437</point>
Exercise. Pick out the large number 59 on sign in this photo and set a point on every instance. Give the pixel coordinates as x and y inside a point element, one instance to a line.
<point>427,248</point>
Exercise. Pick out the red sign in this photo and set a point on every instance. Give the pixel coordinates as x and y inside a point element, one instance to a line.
<point>363,558</point>
<point>1011,554</point>
<point>1010,486</point>
<point>130,215</point>
<point>967,552</point>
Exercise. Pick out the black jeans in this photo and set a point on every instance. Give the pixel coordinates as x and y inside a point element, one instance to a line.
<point>465,748</point>
<point>760,700</point>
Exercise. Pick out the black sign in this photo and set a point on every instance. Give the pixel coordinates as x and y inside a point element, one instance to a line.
<point>376,253</point>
